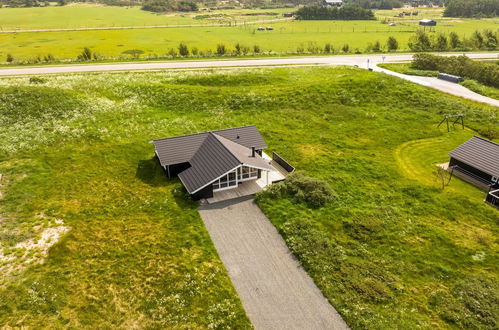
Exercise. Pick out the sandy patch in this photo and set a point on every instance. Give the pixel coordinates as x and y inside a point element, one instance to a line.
<point>31,251</point>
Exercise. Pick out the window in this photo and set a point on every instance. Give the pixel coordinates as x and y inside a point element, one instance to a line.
<point>227,181</point>
<point>247,173</point>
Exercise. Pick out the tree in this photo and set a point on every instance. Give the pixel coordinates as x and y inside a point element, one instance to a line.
<point>477,39</point>
<point>256,49</point>
<point>237,49</point>
<point>490,39</point>
<point>183,50</point>
<point>10,58</point>
<point>454,41</point>
<point>441,42</point>
<point>221,49</point>
<point>420,42</point>
<point>328,48</point>
<point>345,48</point>
<point>62,2</point>
<point>86,54</point>
<point>377,46</point>
<point>392,44</point>
<point>441,175</point>
<point>194,51</point>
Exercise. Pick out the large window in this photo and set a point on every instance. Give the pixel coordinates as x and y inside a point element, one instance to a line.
<point>247,173</point>
<point>226,181</point>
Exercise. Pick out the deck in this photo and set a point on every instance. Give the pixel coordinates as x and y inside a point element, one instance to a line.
<point>251,187</point>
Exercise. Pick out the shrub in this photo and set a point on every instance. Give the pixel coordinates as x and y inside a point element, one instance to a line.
<point>221,49</point>
<point>485,73</point>
<point>311,191</point>
<point>86,54</point>
<point>183,50</point>
<point>345,48</point>
<point>328,48</point>
<point>392,44</point>
<point>420,42</point>
<point>159,6</point>
<point>454,41</point>
<point>10,58</point>
<point>37,80</point>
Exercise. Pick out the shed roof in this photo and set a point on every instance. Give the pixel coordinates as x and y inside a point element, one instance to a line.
<point>181,149</point>
<point>480,153</point>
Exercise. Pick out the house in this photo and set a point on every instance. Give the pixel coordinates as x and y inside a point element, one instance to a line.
<point>476,161</point>
<point>215,161</point>
<point>427,22</point>
<point>333,3</point>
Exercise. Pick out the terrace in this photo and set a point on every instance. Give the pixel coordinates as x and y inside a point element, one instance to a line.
<point>280,169</point>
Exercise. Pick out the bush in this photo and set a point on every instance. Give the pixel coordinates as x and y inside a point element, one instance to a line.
<point>221,49</point>
<point>485,73</point>
<point>183,50</point>
<point>345,48</point>
<point>37,80</point>
<point>256,49</point>
<point>10,58</point>
<point>311,191</point>
<point>392,44</point>
<point>86,54</point>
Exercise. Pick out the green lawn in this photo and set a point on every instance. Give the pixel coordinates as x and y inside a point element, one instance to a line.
<point>287,37</point>
<point>392,251</point>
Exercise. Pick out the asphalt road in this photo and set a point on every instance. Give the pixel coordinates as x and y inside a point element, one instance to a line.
<point>364,61</point>
<point>275,290</point>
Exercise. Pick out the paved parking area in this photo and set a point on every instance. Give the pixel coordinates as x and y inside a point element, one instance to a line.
<point>274,289</point>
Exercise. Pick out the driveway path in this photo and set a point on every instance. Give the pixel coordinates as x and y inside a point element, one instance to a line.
<point>275,290</point>
<point>444,86</point>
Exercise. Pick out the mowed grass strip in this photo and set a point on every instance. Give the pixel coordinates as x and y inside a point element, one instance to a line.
<point>393,250</point>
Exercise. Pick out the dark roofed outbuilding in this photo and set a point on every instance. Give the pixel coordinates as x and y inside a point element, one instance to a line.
<point>478,159</point>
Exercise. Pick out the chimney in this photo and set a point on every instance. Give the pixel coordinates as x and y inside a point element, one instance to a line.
<point>252,151</point>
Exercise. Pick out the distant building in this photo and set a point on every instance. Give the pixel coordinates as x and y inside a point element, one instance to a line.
<point>427,22</point>
<point>333,3</point>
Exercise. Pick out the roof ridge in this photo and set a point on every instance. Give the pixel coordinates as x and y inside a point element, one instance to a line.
<point>486,140</point>
<point>230,152</point>
<point>205,132</point>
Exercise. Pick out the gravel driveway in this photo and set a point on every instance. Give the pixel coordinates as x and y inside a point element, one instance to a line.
<point>275,290</point>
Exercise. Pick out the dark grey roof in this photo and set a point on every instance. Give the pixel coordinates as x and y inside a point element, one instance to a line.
<point>180,149</point>
<point>211,154</point>
<point>480,153</point>
<point>210,162</point>
<point>243,154</point>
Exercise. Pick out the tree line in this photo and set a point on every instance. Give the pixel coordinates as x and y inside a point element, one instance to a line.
<point>485,73</point>
<point>347,12</point>
<point>472,8</point>
<point>162,6</point>
<point>479,40</point>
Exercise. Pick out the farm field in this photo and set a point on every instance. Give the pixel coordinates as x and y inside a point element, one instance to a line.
<point>392,249</point>
<point>88,16</point>
<point>287,36</point>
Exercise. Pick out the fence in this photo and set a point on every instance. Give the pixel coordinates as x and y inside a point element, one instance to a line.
<point>284,164</point>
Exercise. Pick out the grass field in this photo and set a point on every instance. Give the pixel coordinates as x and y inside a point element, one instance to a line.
<point>287,36</point>
<point>88,16</point>
<point>393,250</point>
